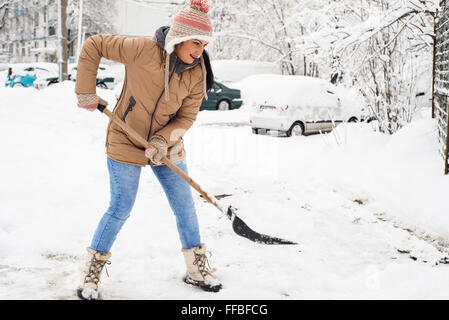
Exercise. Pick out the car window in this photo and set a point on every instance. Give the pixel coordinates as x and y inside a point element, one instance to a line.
<point>216,87</point>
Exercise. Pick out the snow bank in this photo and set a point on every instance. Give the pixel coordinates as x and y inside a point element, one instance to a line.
<point>403,171</point>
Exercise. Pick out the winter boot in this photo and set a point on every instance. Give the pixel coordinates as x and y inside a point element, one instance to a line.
<point>198,274</point>
<point>95,261</point>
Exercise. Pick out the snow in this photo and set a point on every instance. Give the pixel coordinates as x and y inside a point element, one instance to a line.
<point>90,294</point>
<point>303,91</point>
<point>286,90</point>
<point>236,70</point>
<point>368,210</point>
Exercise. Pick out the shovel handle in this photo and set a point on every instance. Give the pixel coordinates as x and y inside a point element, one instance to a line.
<point>130,131</point>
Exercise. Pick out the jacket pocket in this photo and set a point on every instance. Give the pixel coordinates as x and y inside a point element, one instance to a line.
<point>132,103</point>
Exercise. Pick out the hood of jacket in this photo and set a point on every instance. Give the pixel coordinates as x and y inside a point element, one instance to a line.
<point>160,36</point>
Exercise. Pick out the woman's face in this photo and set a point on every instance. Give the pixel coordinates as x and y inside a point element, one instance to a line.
<point>189,50</point>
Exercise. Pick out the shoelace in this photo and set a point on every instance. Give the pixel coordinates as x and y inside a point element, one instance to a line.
<point>95,269</point>
<point>201,260</point>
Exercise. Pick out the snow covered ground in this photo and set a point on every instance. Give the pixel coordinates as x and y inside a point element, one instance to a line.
<point>369,211</point>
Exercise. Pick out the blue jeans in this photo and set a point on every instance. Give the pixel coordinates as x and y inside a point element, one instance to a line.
<point>124,182</point>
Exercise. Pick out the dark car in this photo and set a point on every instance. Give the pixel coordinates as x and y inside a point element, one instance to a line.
<point>219,98</point>
<point>222,98</point>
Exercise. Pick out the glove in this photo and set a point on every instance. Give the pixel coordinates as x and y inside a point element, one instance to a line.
<point>157,150</point>
<point>89,101</point>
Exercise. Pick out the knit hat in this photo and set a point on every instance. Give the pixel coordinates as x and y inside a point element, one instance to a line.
<point>190,23</point>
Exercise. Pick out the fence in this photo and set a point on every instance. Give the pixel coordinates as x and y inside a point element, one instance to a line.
<point>440,99</point>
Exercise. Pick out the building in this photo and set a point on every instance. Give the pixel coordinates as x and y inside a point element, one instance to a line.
<point>28,28</point>
<point>28,31</point>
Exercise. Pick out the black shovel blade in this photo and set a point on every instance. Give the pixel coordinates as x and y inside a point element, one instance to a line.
<point>242,229</point>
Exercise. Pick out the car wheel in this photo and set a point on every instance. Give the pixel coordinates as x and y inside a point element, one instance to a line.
<point>223,105</point>
<point>296,130</point>
<point>353,119</point>
<point>18,84</point>
<point>102,85</point>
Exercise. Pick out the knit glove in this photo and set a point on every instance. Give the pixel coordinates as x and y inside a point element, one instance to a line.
<point>157,150</point>
<point>89,101</point>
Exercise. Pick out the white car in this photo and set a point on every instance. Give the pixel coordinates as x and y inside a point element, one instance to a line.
<point>297,105</point>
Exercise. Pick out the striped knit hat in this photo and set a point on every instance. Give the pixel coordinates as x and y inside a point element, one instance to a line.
<point>190,23</point>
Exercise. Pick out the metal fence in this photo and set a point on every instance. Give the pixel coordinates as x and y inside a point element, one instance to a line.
<point>440,99</point>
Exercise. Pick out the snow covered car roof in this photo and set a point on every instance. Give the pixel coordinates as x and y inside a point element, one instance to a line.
<point>282,90</point>
<point>287,90</point>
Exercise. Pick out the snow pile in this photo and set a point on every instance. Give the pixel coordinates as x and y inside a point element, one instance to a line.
<point>403,171</point>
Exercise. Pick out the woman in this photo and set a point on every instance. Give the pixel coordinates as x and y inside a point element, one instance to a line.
<point>165,81</point>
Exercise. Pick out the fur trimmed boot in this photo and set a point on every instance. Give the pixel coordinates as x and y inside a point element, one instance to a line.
<point>95,261</point>
<point>198,274</point>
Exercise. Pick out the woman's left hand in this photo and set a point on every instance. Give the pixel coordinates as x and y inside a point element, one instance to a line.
<point>157,150</point>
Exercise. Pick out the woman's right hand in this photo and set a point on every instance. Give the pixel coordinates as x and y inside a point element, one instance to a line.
<point>89,101</point>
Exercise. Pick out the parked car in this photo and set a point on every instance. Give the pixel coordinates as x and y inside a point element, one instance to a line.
<point>297,105</point>
<point>25,75</point>
<point>222,98</point>
<point>105,79</point>
<point>219,98</point>
<point>19,80</point>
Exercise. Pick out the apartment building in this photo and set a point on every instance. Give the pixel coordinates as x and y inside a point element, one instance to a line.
<point>28,28</point>
<point>28,31</point>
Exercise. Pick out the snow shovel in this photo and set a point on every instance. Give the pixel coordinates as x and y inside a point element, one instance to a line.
<point>239,226</point>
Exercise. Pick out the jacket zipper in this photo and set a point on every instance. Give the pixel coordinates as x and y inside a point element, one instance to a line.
<point>157,102</point>
<point>132,103</point>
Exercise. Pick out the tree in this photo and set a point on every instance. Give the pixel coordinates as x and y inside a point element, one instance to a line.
<point>380,46</point>
<point>3,13</point>
<point>98,15</point>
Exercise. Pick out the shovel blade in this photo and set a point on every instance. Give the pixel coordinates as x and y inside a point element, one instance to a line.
<point>242,229</point>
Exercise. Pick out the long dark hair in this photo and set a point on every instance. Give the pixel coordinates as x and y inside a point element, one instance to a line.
<point>210,73</point>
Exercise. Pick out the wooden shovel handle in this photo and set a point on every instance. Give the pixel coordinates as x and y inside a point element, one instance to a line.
<point>130,131</point>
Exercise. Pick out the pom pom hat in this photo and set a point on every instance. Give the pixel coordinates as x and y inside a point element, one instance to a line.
<point>190,23</point>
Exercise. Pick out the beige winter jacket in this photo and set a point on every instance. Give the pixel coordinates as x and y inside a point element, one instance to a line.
<point>143,94</point>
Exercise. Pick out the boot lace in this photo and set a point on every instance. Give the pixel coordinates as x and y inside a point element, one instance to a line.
<point>95,268</point>
<point>201,261</point>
